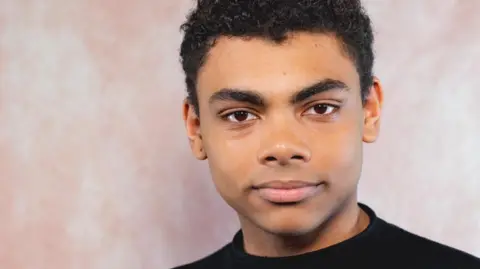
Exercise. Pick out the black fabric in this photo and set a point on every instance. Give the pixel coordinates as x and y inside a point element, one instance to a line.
<point>381,245</point>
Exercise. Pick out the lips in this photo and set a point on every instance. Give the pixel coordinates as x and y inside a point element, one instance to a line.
<point>285,184</point>
<point>287,191</point>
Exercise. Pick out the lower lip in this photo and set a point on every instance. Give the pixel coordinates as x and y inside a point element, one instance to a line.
<point>287,195</point>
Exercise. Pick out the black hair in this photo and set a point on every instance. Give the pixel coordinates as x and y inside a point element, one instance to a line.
<point>273,20</point>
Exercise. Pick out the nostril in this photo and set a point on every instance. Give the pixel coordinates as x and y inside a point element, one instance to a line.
<point>270,159</point>
<point>297,157</point>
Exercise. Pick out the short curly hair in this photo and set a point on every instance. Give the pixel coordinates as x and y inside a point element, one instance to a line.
<point>273,20</point>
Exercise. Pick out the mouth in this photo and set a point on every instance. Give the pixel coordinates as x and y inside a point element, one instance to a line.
<point>287,192</point>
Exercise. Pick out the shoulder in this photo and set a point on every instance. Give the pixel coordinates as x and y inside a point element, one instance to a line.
<point>418,250</point>
<point>214,260</point>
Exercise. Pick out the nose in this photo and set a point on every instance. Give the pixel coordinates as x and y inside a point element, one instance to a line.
<point>283,150</point>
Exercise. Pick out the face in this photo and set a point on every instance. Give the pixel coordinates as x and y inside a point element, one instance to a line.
<point>282,127</point>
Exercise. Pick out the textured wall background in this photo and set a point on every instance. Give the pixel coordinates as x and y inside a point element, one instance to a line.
<point>95,171</point>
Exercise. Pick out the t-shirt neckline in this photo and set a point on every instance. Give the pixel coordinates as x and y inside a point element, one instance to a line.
<point>240,256</point>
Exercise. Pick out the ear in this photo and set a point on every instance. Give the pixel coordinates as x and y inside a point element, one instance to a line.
<point>192,124</point>
<point>372,112</point>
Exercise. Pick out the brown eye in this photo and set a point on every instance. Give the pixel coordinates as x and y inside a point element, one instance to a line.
<point>240,116</point>
<point>322,109</point>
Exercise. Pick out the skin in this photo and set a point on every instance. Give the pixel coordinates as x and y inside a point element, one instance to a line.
<point>289,111</point>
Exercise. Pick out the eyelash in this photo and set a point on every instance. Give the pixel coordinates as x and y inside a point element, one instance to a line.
<point>227,115</point>
<point>335,109</point>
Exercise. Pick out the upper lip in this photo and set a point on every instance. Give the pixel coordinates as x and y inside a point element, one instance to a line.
<point>291,184</point>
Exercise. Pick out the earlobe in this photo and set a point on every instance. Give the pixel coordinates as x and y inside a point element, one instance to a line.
<point>202,155</point>
<point>372,112</point>
<point>192,125</point>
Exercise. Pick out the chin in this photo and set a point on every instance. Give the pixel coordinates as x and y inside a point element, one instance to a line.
<point>289,225</point>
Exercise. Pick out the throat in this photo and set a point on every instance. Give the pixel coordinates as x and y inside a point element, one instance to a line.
<point>281,245</point>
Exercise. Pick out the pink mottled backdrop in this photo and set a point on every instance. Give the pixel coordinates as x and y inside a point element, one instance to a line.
<point>95,171</point>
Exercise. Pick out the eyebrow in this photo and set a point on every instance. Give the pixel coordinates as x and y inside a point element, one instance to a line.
<point>325,85</point>
<point>254,98</point>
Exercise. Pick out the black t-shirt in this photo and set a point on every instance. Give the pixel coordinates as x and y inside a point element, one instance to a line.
<point>380,245</point>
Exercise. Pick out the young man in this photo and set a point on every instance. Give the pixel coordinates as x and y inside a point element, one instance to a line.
<point>281,97</point>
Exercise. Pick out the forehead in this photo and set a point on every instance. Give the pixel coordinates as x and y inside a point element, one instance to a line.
<point>262,65</point>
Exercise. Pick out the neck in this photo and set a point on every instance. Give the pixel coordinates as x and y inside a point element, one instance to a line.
<point>348,222</point>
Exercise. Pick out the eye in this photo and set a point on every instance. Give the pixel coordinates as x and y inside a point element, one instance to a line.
<point>322,109</point>
<point>240,116</point>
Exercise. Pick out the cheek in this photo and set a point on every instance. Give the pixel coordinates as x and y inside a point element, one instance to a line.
<point>339,153</point>
<point>230,164</point>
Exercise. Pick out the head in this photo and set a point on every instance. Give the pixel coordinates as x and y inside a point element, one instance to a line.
<point>281,91</point>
